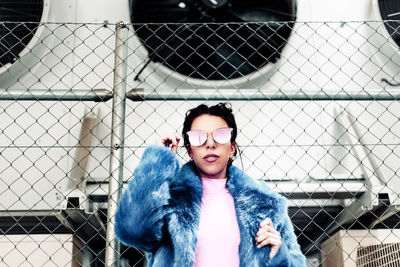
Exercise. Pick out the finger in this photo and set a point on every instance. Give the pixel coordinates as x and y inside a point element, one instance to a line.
<point>174,147</point>
<point>164,140</point>
<point>264,230</point>
<point>174,139</point>
<point>265,236</point>
<point>270,241</point>
<point>168,140</point>
<point>268,234</point>
<point>266,222</point>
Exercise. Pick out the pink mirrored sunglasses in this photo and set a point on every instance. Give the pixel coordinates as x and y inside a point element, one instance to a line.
<point>220,135</point>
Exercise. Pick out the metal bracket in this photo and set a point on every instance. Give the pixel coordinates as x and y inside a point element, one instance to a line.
<point>375,180</point>
<point>74,194</point>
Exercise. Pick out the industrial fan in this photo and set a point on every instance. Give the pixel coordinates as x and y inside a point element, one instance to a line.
<point>218,40</point>
<point>386,37</point>
<point>19,21</point>
<point>390,13</point>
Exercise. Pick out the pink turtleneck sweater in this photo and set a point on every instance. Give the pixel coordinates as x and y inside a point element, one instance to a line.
<point>218,236</point>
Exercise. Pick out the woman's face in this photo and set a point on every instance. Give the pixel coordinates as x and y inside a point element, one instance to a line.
<point>211,158</point>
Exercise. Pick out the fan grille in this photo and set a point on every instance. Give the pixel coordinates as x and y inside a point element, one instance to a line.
<point>18,23</point>
<point>227,42</point>
<point>390,10</point>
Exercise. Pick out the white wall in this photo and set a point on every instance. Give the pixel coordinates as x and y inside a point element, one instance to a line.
<point>284,140</point>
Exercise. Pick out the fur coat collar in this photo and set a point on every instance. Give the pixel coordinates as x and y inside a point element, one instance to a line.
<point>254,202</point>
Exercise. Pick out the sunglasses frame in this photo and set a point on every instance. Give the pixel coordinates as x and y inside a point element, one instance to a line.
<point>212,134</point>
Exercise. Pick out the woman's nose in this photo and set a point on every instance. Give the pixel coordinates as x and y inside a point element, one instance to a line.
<point>210,140</point>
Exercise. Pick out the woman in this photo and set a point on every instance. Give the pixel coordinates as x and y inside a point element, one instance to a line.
<point>207,212</point>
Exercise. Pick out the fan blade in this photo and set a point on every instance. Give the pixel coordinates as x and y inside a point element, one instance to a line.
<point>222,60</point>
<point>167,11</point>
<point>260,15</point>
<point>21,11</point>
<point>233,63</point>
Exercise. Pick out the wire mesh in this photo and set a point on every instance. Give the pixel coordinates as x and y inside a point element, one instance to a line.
<point>317,105</point>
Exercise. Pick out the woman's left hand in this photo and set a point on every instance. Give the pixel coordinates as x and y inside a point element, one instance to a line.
<point>267,235</point>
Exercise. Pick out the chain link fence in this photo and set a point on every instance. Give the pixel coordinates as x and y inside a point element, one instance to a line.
<point>317,105</point>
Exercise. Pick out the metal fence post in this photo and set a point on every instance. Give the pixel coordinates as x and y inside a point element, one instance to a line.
<point>117,143</point>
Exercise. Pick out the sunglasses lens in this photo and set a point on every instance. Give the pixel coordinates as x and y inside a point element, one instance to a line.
<point>197,137</point>
<point>222,135</point>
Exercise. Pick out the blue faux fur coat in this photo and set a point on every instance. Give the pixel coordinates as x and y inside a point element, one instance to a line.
<point>159,214</point>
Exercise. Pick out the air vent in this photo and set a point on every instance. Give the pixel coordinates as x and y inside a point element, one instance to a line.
<point>212,51</point>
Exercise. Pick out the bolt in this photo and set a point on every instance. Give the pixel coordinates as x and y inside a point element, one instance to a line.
<point>121,25</point>
<point>116,146</point>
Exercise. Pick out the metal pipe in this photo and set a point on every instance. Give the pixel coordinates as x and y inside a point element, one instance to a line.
<point>139,94</point>
<point>98,95</point>
<point>117,143</point>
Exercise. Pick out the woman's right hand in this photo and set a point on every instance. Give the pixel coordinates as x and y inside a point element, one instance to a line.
<point>170,140</point>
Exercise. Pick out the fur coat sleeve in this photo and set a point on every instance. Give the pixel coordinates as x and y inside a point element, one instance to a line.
<point>140,215</point>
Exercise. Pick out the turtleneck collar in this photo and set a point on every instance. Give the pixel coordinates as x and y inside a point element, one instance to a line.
<point>214,186</point>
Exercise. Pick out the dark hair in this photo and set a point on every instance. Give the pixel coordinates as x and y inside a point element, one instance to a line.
<point>221,110</point>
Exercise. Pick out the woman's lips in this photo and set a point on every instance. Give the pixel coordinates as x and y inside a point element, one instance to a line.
<point>211,158</point>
